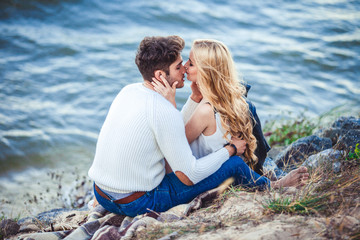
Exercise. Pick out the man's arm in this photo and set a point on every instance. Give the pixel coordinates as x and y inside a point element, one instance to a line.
<point>185,180</point>
<point>169,131</point>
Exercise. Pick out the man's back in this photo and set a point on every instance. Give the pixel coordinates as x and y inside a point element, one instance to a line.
<point>127,142</point>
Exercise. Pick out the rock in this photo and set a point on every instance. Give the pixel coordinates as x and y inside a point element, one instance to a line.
<point>337,167</point>
<point>349,140</point>
<point>326,156</point>
<point>271,167</point>
<point>275,150</point>
<point>332,133</point>
<point>299,151</point>
<point>345,222</point>
<point>347,123</point>
<point>344,133</point>
<point>170,236</point>
<point>349,222</point>
<point>49,216</point>
<point>31,227</point>
<point>8,227</point>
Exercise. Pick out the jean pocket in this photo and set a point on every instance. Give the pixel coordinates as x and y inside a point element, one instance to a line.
<point>163,201</point>
<point>138,206</point>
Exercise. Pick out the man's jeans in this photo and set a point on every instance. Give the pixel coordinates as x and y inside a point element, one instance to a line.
<point>172,192</point>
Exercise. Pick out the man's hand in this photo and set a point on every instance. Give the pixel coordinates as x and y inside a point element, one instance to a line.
<point>165,89</point>
<point>196,95</point>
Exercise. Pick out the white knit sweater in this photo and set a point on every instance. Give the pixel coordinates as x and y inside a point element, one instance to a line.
<point>142,128</point>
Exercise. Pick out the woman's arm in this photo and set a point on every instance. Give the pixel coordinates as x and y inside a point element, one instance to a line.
<point>191,104</point>
<point>201,120</point>
<point>196,95</point>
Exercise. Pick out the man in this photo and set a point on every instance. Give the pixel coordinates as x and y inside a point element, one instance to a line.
<point>141,129</point>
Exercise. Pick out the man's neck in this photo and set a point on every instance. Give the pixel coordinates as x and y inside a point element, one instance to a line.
<point>148,85</point>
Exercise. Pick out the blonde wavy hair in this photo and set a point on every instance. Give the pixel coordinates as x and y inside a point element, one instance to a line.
<point>218,82</point>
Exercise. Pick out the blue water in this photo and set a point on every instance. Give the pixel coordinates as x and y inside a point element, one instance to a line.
<point>63,62</point>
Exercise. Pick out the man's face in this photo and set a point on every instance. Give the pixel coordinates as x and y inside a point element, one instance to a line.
<point>176,73</point>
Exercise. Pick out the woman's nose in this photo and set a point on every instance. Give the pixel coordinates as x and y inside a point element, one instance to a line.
<point>183,69</point>
<point>186,65</point>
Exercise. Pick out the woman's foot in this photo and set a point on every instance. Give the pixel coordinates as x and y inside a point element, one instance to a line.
<point>295,178</point>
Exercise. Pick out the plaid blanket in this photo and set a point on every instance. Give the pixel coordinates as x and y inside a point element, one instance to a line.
<point>99,224</point>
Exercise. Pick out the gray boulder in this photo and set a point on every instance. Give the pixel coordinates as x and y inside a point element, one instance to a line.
<point>347,123</point>
<point>8,227</point>
<point>326,156</point>
<point>344,133</point>
<point>300,150</point>
<point>272,170</point>
<point>349,140</point>
<point>332,133</point>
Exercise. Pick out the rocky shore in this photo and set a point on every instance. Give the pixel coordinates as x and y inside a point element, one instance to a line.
<point>327,207</point>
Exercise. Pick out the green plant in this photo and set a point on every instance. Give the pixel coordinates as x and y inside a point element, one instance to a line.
<point>3,217</point>
<point>287,131</point>
<point>355,154</point>
<point>304,206</point>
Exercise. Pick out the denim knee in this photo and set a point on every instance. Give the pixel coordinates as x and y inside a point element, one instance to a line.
<point>244,175</point>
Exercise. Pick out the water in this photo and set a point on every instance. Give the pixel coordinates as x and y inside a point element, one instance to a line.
<point>63,62</point>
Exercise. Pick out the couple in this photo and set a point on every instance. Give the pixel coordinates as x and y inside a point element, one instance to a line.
<point>143,132</point>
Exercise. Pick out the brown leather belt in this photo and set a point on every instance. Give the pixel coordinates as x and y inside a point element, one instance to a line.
<point>124,200</point>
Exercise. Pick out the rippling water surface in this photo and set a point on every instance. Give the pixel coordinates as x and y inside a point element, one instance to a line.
<point>63,62</point>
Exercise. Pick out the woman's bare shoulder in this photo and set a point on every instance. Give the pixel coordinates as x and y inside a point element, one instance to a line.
<point>204,110</point>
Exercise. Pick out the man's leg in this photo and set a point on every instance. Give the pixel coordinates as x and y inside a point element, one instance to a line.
<point>172,192</point>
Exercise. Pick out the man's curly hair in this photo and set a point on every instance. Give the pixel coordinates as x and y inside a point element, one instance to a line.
<point>158,53</point>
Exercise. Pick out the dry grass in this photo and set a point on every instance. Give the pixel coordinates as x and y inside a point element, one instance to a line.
<point>332,197</point>
<point>329,195</point>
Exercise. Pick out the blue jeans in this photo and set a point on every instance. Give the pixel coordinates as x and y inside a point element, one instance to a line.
<point>172,192</point>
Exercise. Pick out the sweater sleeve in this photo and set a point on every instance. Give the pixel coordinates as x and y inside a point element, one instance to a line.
<point>188,109</point>
<point>170,135</point>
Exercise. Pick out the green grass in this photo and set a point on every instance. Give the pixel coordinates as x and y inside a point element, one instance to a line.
<point>17,218</point>
<point>305,206</point>
<point>354,155</point>
<point>286,131</point>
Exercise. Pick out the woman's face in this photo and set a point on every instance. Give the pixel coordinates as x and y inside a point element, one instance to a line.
<point>191,69</point>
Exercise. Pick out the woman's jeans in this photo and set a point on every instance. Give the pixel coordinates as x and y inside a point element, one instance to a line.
<point>172,192</point>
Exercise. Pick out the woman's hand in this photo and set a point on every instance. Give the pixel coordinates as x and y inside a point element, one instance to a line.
<point>196,95</point>
<point>165,89</point>
<point>240,145</point>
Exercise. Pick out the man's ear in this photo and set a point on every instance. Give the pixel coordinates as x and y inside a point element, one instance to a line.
<point>159,73</point>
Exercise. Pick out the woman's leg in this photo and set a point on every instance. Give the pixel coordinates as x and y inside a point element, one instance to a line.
<point>234,167</point>
<point>297,178</point>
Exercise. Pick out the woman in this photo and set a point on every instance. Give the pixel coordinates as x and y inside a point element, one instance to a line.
<point>223,112</point>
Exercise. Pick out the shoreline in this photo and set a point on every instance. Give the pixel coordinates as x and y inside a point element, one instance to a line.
<point>263,209</point>
<point>57,188</point>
